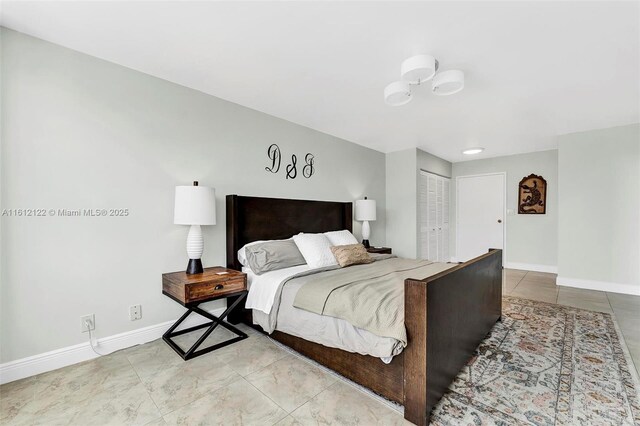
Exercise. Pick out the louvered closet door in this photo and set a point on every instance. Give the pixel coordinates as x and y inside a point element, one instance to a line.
<point>434,217</point>
<point>423,217</point>
<point>443,252</point>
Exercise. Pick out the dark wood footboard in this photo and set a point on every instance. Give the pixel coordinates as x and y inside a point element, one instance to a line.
<point>447,316</point>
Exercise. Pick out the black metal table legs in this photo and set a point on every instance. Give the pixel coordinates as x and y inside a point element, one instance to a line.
<point>193,351</point>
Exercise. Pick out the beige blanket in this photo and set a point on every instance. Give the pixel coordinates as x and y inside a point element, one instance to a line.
<point>369,296</point>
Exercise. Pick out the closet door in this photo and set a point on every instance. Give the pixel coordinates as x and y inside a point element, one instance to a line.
<point>423,214</point>
<point>433,202</point>
<point>432,214</point>
<point>444,246</point>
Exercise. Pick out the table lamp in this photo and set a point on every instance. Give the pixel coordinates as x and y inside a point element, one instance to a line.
<point>195,206</point>
<point>365,211</point>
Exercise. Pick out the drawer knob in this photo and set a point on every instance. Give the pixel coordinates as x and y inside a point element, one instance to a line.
<point>219,287</point>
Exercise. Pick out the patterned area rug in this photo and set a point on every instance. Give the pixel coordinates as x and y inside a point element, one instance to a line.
<point>545,364</point>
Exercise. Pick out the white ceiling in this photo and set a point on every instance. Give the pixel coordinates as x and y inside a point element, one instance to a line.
<point>533,69</point>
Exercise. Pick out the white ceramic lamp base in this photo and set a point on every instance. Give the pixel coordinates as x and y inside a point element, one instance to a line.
<point>195,247</point>
<point>366,232</point>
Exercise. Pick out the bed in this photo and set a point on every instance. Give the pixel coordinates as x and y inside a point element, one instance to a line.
<point>446,315</point>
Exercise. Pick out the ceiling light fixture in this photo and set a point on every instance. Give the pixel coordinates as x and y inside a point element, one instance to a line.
<point>418,69</point>
<point>397,93</point>
<point>472,151</point>
<point>415,71</point>
<point>447,83</point>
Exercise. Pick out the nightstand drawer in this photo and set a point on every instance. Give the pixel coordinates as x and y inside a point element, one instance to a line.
<point>208,290</point>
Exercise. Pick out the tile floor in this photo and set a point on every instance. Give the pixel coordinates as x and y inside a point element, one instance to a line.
<point>250,382</point>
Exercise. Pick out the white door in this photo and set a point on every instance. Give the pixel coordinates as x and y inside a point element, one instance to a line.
<point>480,214</point>
<point>434,217</point>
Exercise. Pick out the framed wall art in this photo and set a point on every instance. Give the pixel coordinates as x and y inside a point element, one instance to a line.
<point>532,195</point>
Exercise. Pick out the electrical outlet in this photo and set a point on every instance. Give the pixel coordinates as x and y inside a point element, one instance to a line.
<point>92,322</point>
<point>135,312</point>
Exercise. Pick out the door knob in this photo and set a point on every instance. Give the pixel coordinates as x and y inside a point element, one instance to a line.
<point>499,220</point>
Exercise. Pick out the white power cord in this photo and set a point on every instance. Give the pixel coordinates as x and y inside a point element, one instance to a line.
<point>89,325</point>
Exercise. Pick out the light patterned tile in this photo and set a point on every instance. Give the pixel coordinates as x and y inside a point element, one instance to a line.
<point>14,397</point>
<point>342,404</point>
<point>157,422</point>
<point>152,357</point>
<point>633,345</point>
<point>625,302</point>
<point>250,355</point>
<point>509,286</point>
<point>536,284</point>
<point>181,384</point>
<point>542,276</point>
<point>628,321</point>
<point>541,294</point>
<point>290,382</point>
<point>584,299</point>
<point>103,391</point>
<point>288,421</point>
<point>514,274</point>
<point>236,404</point>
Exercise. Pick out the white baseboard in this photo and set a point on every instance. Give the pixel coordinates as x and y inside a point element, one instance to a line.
<point>552,269</point>
<point>599,285</point>
<point>48,361</point>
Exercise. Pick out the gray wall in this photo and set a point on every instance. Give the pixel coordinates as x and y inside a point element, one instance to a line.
<point>432,164</point>
<point>403,168</point>
<point>401,202</point>
<point>531,239</point>
<point>79,132</point>
<point>599,236</point>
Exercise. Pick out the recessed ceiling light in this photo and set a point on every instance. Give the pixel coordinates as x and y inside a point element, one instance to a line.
<point>473,151</point>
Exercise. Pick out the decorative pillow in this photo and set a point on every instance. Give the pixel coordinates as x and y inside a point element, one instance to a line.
<point>352,254</point>
<point>316,249</point>
<point>341,238</point>
<point>273,255</point>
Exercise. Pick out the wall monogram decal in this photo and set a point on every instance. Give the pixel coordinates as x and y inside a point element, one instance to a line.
<point>292,172</point>
<point>273,152</point>
<point>308,170</point>
<point>275,156</point>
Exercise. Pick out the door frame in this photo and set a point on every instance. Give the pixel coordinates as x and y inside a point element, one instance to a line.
<point>504,213</point>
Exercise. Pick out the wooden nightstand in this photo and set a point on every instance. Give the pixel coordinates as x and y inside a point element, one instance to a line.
<point>379,250</point>
<point>192,290</point>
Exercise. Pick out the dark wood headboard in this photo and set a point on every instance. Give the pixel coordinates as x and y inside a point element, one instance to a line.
<point>256,218</point>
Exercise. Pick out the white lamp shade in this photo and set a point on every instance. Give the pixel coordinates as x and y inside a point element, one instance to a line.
<point>366,209</point>
<point>397,93</point>
<point>419,68</point>
<point>195,205</point>
<point>448,82</point>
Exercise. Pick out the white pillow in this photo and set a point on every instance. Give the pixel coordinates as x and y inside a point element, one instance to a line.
<point>316,250</point>
<point>341,238</point>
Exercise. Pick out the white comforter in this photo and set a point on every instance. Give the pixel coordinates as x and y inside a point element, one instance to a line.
<point>263,288</point>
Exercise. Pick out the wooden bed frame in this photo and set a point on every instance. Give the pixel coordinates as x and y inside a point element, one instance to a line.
<point>446,315</point>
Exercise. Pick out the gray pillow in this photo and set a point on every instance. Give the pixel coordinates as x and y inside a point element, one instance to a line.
<point>273,255</point>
